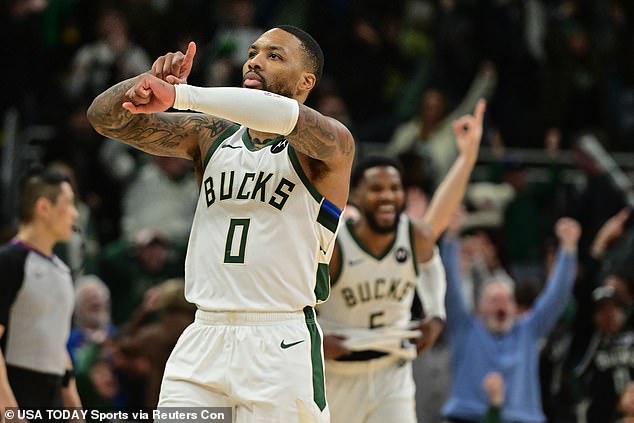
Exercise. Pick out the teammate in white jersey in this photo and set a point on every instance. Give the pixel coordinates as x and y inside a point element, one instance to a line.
<point>379,261</point>
<point>273,187</point>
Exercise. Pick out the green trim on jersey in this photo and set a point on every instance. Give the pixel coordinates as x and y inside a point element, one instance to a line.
<point>317,361</point>
<point>350,225</point>
<point>412,238</point>
<point>322,282</point>
<point>223,136</point>
<point>248,143</point>
<point>337,275</point>
<point>300,172</point>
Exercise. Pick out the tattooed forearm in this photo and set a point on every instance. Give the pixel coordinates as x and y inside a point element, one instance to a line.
<point>320,137</point>
<point>166,134</point>
<point>106,113</point>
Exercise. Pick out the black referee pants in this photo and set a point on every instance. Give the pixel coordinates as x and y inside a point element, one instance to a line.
<point>35,390</point>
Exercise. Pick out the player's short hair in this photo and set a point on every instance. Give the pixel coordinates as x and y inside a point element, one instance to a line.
<point>311,48</point>
<point>47,184</point>
<point>370,162</point>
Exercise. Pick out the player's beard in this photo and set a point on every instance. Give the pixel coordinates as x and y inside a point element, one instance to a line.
<point>275,87</point>
<point>382,229</point>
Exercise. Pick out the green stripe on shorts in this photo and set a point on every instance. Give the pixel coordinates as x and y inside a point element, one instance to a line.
<point>319,393</point>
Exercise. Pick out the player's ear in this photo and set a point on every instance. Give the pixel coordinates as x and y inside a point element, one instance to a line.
<point>307,81</point>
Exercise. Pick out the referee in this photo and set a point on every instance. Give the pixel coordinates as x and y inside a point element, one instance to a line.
<point>36,300</point>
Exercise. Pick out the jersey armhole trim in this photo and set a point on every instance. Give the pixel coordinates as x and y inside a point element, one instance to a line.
<point>412,241</point>
<point>223,136</point>
<point>339,271</point>
<point>302,176</point>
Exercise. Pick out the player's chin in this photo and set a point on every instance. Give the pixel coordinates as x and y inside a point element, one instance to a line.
<point>386,223</point>
<point>385,228</point>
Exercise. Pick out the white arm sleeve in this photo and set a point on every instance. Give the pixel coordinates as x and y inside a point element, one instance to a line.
<point>255,109</point>
<point>432,286</point>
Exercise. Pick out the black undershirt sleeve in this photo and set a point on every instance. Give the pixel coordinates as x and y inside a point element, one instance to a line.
<point>12,259</point>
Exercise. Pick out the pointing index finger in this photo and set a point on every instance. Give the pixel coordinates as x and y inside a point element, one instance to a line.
<point>191,52</point>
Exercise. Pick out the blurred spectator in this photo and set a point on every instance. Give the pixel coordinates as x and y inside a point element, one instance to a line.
<point>329,102</point>
<point>90,341</point>
<point>157,339</point>
<point>20,22</point>
<point>480,264</point>
<point>130,268</point>
<point>92,316</point>
<point>498,340</point>
<point>626,404</point>
<point>430,133</point>
<point>607,365</point>
<point>510,34</point>
<point>226,52</point>
<point>575,70</point>
<point>530,212</point>
<point>597,201</point>
<point>113,57</point>
<point>170,181</point>
<point>600,270</point>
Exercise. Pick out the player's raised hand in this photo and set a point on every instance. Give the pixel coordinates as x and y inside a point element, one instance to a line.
<point>468,131</point>
<point>149,95</point>
<point>175,67</point>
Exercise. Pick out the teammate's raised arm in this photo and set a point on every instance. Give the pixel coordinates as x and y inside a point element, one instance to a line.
<point>448,196</point>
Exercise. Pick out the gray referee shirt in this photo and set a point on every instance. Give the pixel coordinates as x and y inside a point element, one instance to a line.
<point>36,307</point>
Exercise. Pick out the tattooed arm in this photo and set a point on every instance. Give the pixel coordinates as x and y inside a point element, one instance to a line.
<point>185,135</point>
<point>325,147</point>
<point>309,132</point>
<point>322,138</point>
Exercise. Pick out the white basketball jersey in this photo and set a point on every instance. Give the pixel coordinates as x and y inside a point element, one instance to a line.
<point>262,235</point>
<point>372,291</point>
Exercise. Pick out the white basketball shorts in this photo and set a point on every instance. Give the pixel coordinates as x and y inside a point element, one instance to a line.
<point>373,391</point>
<point>267,366</point>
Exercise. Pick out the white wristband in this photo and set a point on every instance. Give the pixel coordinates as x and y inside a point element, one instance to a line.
<point>432,286</point>
<point>255,109</point>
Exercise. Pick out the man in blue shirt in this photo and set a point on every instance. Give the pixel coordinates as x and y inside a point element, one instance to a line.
<point>498,340</point>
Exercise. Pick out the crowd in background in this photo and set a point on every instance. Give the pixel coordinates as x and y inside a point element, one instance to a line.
<point>396,73</point>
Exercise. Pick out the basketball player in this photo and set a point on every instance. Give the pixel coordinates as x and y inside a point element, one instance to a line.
<point>273,187</point>
<point>379,261</point>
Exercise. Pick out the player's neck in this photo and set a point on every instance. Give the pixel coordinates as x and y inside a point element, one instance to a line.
<point>376,242</point>
<point>260,139</point>
<point>36,239</point>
